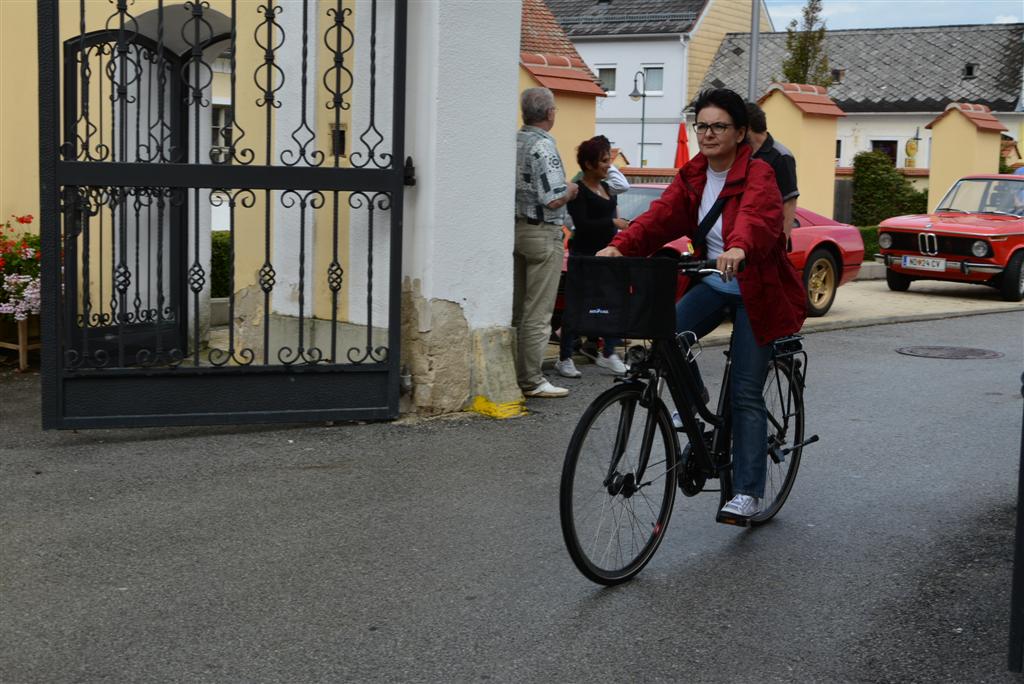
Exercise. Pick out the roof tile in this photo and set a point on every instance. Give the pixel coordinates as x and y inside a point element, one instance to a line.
<point>916,69</point>
<point>977,114</point>
<point>626,17</point>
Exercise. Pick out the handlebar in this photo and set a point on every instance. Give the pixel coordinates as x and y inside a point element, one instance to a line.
<point>691,266</point>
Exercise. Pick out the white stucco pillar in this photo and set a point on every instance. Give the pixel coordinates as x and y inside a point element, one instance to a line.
<point>462,95</point>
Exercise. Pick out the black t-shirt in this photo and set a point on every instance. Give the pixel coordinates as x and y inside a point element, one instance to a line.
<point>784,164</point>
<point>592,217</point>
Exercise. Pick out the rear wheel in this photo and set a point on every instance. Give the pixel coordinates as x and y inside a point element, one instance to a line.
<point>618,484</point>
<point>897,282</point>
<point>783,397</point>
<point>1011,286</point>
<point>820,280</point>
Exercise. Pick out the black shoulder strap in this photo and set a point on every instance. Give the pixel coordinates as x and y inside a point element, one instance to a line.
<point>709,220</point>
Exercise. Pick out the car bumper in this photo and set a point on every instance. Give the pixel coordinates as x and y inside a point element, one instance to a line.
<point>952,266</point>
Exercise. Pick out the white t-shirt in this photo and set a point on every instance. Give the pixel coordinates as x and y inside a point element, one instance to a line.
<point>716,181</point>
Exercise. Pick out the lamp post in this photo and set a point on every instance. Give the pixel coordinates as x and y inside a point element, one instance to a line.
<point>640,95</point>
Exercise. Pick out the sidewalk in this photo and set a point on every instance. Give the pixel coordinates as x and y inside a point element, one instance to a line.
<point>869,301</point>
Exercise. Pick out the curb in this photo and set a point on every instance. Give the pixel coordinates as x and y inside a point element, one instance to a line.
<point>871,270</point>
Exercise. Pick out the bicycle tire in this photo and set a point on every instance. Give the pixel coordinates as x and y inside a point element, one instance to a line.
<point>784,400</point>
<point>630,525</point>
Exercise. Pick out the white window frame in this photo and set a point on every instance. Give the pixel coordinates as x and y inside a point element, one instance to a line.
<point>654,93</point>
<point>613,67</point>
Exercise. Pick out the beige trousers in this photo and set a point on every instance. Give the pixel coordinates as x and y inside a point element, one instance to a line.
<point>538,265</point>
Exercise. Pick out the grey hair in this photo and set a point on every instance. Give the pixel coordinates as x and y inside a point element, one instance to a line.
<point>535,103</point>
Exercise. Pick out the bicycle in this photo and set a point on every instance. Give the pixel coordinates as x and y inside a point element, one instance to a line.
<point>624,462</point>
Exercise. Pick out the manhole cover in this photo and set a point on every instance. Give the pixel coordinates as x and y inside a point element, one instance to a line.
<point>950,352</point>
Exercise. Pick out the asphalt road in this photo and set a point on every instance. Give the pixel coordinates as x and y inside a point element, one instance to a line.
<point>430,550</point>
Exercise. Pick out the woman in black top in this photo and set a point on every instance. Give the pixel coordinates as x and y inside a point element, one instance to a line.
<point>595,217</point>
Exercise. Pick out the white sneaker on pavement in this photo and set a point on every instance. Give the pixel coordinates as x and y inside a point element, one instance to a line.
<point>742,505</point>
<point>612,363</point>
<point>567,369</point>
<point>546,389</point>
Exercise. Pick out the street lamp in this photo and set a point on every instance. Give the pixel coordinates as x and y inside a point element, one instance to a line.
<point>640,95</point>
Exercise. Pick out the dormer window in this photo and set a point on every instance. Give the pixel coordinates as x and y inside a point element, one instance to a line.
<point>838,75</point>
<point>970,70</point>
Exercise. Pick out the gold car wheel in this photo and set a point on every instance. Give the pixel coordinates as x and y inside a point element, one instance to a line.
<point>821,283</point>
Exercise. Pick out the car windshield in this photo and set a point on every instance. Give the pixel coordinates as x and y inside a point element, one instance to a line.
<point>986,196</point>
<point>635,201</point>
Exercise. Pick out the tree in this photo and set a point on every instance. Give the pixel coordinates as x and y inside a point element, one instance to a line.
<point>880,191</point>
<point>807,61</point>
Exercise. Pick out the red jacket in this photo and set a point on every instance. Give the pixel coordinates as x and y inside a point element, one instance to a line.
<point>751,219</point>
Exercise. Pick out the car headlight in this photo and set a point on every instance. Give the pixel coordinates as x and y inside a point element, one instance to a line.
<point>884,240</point>
<point>979,248</point>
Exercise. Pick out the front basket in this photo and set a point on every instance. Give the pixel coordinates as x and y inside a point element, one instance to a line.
<point>620,297</point>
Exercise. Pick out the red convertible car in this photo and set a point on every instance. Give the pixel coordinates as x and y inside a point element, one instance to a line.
<point>975,235</point>
<point>828,253</point>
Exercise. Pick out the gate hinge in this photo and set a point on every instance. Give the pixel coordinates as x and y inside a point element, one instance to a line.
<point>410,172</point>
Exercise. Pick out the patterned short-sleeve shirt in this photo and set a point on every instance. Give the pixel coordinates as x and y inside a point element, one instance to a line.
<point>540,176</point>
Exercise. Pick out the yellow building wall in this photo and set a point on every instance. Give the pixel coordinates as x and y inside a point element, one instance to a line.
<point>19,115</point>
<point>575,121</point>
<point>19,139</point>
<point>811,139</point>
<point>721,17</point>
<point>959,148</point>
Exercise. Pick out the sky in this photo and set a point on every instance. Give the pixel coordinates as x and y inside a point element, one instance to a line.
<point>851,14</point>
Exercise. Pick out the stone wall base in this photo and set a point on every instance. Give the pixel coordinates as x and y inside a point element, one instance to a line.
<point>454,368</point>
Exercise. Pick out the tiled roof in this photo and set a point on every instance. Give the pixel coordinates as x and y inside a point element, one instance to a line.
<point>810,99</point>
<point>895,70</point>
<point>561,73</point>
<point>626,17</point>
<point>979,115</point>
<point>549,55</point>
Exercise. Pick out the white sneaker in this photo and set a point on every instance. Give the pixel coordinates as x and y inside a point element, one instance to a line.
<point>743,506</point>
<point>567,369</point>
<point>612,363</point>
<point>546,389</point>
<point>677,422</point>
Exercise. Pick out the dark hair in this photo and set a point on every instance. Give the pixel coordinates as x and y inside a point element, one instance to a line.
<point>726,99</point>
<point>755,115</point>
<point>590,151</point>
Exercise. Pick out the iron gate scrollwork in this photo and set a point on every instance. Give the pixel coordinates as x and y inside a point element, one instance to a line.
<point>202,145</point>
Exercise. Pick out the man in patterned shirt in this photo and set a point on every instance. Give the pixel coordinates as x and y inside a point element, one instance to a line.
<point>542,191</point>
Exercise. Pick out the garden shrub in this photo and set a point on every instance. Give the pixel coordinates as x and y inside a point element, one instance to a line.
<point>880,191</point>
<point>220,263</point>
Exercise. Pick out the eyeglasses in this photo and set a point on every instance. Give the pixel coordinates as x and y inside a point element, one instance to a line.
<point>717,128</point>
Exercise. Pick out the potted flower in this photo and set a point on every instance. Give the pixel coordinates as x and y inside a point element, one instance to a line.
<point>19,283</point>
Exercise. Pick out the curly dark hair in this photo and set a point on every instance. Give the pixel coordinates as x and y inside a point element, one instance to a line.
<point>590,151</point>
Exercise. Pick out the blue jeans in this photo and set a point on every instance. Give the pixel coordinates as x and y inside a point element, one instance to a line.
<point>701,310</point>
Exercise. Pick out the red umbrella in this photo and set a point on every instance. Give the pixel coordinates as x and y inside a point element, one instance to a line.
<point>682,150</point>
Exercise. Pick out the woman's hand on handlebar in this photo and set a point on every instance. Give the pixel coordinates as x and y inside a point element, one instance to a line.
<point>729,261</point>
<point>609,251</point>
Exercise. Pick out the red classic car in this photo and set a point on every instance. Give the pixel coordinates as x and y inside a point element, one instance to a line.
<point>828,253</point>
<point>975,235</point>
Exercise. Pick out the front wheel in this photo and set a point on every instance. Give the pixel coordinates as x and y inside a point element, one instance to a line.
<point>784,399</point>
<point>1011,284</point>
<point>897,282</point>
<point>618,484</point>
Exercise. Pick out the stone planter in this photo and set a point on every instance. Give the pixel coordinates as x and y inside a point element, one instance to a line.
<point>21,336</point>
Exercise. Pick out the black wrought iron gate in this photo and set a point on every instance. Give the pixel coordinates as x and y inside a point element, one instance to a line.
<point>203,145</point>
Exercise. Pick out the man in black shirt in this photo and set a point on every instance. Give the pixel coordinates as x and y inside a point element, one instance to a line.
<point>781,160</point>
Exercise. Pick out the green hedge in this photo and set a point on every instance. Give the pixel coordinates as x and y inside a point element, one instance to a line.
<point>220,263</point>
<point>870,235</point>
<point>880,191</point>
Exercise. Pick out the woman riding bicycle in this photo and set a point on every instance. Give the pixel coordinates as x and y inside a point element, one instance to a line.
<point>767,295</point>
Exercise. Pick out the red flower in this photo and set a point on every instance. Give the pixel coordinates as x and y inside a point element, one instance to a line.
<point>27,218</point>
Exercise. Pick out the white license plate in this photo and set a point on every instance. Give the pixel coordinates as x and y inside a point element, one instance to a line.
<point>924,263</point>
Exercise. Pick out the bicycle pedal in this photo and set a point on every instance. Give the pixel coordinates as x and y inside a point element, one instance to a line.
<point>729,519</point>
